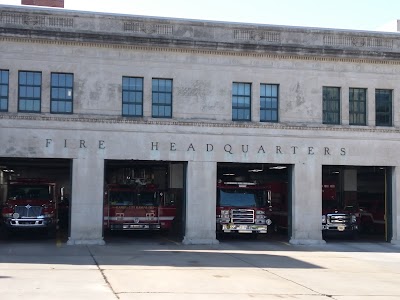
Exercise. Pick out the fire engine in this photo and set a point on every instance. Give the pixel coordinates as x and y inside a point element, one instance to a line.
<point>138,206</point>
<point>30,204</point>
<point>336,220</point>
<point>241,207</point>
<point>279,203</point>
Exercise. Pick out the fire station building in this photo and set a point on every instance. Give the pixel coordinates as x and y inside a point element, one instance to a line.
<point>93,89</point>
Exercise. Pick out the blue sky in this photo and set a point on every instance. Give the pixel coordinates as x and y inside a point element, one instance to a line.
<point>344,14</point>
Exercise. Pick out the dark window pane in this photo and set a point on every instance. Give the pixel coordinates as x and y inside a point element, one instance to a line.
<point>162,98</point>
<point>357,106</point>
<point>29,91</point>
<point>331,105</point>
<point>61,93</point>
<point>383,107</point>
<point>241,101</point>
<point>269,103</point>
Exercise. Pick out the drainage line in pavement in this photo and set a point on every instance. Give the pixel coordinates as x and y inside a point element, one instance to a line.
<point>264,269</point>
<point>102,274</point>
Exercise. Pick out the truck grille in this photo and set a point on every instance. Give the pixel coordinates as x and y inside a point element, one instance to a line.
<point>339,219</point>
<point>28,211</point>
<point>243,216</point>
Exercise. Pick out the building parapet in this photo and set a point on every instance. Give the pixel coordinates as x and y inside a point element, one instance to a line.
<point>92,27</point>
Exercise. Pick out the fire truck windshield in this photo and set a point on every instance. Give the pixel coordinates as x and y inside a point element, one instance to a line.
<point>34,192</point>
<point>147,198</point>
<point>240,198</point>
<point>133,198</point>
<point>121,198</point>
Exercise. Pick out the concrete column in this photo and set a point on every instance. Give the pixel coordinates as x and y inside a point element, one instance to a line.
<point>201,182</point>
<point>148,97</point>
<point>255,102</point>
<point>396,205</point>
<point>307,204</point>
<point>344,105</point>
<point>87,202</point>
<point>371,114</point>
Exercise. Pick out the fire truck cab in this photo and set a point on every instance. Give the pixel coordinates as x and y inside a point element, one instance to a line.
<point>242,207</point>
<point>138,206</point>
<point>31,204</point>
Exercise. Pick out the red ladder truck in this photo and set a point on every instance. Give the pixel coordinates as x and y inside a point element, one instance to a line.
<point>137,206</point>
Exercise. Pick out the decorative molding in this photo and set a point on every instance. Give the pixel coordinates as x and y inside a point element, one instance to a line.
<point>358,41</point>
<point>35,20</point>
<point>205,52</point>
<point>148,28</point>
<point>253,125</point>
<point>257,35</point>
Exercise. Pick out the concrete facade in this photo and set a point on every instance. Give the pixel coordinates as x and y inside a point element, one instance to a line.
<point>203,59</point>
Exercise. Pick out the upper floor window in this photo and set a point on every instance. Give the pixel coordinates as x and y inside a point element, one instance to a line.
<point>29,91</point>
<point>330,105</point>
<point>162,98</point>
<point>383,107</point>
<point>62,93</point>
<point>269,102</point>
<point>3,90</point>
<point>357,106</point>
<point>241,99</point>
<point>132,96</point>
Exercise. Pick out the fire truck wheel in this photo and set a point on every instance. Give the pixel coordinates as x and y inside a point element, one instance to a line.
<point>220,235</point>
<point>4,233</point>
<point>51,233</point>
<point>254,235</point>
<point>354,235</point>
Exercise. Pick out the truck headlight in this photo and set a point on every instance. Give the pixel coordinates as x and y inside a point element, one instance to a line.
<point>323,219</point>
<point>353,219</point>
<point>268,222</point>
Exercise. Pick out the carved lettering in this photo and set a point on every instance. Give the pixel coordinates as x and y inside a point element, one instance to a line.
<point>48,141</point>
<point>327,151</point>
<point>154,146</point>
<point>261,149</point>
<point>228,148</point>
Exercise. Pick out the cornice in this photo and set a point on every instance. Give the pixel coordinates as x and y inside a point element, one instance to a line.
<point>205,124</point>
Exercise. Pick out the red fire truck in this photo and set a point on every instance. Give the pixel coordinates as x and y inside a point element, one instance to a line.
<point>138,206</point>
<point>242,207</point>
<point>30,204</point>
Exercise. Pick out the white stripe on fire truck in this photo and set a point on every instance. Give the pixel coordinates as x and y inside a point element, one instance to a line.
<point>138,218</point>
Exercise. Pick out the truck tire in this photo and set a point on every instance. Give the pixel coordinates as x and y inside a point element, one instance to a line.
<point>4,233</point>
